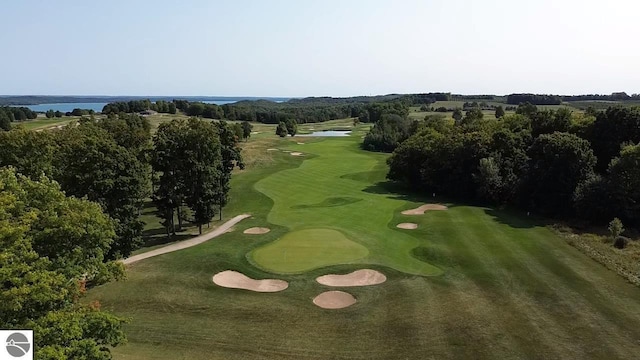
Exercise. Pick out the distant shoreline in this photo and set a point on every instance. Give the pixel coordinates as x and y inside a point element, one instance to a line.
<point>50,99</point>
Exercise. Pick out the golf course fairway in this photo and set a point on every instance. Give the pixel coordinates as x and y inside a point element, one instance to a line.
<point>322,193</point>
<point>467,283</point>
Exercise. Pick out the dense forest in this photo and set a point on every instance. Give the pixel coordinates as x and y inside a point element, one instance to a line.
<point>554,163</point>
<point>71,201</point>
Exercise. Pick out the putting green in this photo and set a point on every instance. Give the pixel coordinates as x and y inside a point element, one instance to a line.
<point>309,249</point>
<point>327,191</point>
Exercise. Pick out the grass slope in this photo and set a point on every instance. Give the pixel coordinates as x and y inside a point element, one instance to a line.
<point>510,288</point>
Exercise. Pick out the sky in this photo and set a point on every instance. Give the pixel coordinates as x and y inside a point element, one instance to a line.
<point>295,48</point>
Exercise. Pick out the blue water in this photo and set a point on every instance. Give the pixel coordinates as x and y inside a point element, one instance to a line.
<point>219,102</point>
<point>97,107</point>
<point>328,133</point>
<point>66,107</point>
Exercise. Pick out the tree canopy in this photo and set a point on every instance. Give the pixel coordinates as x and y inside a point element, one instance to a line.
<point>49,243</point>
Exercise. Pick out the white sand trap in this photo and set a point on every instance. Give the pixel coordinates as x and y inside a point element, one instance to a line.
<point>297,154</point>
<point>364,277</point>
<point>257,230</point>
<point>407,226</point>
<point>272,149</point>
<point>300,143</point>
<point>236,280</point>
<point>334,300</point>
<point>421,210</point>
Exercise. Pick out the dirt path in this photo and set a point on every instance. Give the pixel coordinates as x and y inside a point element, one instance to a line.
<point>187,243</point>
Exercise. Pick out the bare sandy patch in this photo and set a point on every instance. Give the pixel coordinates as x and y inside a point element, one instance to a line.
<point>297,154</point>
<point>364,277</point>
<point>421,210</point>
<point>407,226</point>
<point>257,231</point>
<point>334,300</point>
<point>235,280</point>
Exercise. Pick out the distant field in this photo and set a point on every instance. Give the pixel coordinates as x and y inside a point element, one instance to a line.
<point>509,288</point>
<point>601,104</point>
<point>43,123</point>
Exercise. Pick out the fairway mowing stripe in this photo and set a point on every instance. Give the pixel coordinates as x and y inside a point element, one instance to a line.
<point>519,321</point>
<point>592,279</point>
<point>589,298</point>
<point>538,276</point>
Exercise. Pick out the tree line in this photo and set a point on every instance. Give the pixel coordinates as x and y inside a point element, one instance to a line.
<point>136,106</point>
<point>71,201</point>
<point>536,99</point>
<point>555,163</point>
<point>9,114</point>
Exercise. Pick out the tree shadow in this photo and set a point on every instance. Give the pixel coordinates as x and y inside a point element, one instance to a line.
<point>154,232</point>
<point>399,191</point>
<point>512,217</point>
<point>164,239</point>
<point>516,219</point>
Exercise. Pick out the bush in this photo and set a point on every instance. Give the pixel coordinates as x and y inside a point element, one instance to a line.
<point>621,242</point>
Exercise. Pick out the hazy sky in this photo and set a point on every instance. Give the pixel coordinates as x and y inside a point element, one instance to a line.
<point>320,47</point>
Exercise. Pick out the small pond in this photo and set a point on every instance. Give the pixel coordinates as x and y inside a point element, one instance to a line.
<point>328,133</point>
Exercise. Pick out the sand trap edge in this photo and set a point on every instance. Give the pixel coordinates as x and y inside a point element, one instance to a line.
<point>334,300</point>
<point>236,280</point>
<point>256,231</point>
<point>420,210</point>
<point>362,277</point>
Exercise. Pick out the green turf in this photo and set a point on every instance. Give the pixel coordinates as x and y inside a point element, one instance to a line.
<point>329,175</point>
<point>511,289</point>
<point>303,250</point>
<point>44,123</point>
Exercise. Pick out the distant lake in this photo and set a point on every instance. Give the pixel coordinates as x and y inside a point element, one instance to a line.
<point>218,102</point>
<point>223,102</point>
<point>97,107</point>
<point>65,107</point>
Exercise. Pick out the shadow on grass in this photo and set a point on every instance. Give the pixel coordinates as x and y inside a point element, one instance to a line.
<point>516,219</point>
<point>164,239</point>
<point>512,217</point>
<point>400,192</point>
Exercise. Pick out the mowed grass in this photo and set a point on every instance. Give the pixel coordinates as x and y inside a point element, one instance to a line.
<point>44,123</point>
<point>510,288</point>
<point>304,250</point>
<point>332,172</point>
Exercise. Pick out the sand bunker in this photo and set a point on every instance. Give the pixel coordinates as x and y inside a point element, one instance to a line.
<point>297,154</point>
<point>272,149</point>
<point>407,226</point>
<point>421,210</point>
<point>236,280</point>
<point>300,143</point>
<point>257,230</point>
<point>364,277</point>
<point>334,300</point>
